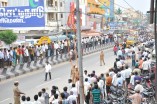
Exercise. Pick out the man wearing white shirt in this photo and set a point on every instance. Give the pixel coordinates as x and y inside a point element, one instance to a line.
<point>145,54</point>
<point>41,98</point>
<point>85,74</point>
<point>23,100</point>
<point>93,79</point>
<point>46,50</point>
<point>123,73</point>
<point>26,54</point>
<point>119,64</point>
<point>43,50</point>
<point>47,70</point>
<point>145,66</point>
<point>114,79</point>
<point>119,53</point>
<point>86,83</point>
<point>132,81</point>
<point>56,100</point>
<point>46,46</point>
<point>128,72</point>
<point>71,98</point>
<point>56,46</point>
<point>139,87</point>
<point>36,100</point>
<point>149,55</point>
<point>74,90</point>
<point>101,86</point>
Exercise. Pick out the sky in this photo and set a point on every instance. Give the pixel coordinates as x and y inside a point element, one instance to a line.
<point>141,5</point>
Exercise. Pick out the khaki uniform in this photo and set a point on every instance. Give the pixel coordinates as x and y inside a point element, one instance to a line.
<point>76,75</point>
<point>102,58</point>
<point>16,95</point>
<point>73,74</point>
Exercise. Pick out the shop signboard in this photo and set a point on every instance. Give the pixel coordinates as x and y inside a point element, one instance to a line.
<point>23,16</point>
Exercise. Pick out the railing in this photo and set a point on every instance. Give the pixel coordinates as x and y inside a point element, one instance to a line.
<point>54,57</point>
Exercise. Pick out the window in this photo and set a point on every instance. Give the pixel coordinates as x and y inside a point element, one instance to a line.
<point>4,4</point>
<point>56,3</point>
<point>61,15</point>
<point>50,2</point>
<point>60,4</point>
<point>51,16</point>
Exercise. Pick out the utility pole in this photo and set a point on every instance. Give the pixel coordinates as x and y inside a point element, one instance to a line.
<point>155,48</point>
<point>151,11</point>
<point>153,16</point>
<point>81,87</point>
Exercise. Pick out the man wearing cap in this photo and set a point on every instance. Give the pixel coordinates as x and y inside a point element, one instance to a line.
<point>17,93</point>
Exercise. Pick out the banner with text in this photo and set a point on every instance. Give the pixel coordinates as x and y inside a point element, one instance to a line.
<point>25,16</point>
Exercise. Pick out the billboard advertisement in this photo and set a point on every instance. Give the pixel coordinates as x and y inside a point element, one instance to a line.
<point>25,16</point>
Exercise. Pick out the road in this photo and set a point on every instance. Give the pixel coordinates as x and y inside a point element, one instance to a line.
<point>33,82</point>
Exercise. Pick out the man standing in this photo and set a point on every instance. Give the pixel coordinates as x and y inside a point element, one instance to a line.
<point>108,83</point>
<point>45,95</point>
<point>17,93</point>
<point>47,70</point>
<point>96,95</point>
<point>102,58</point>
<point>146,66</point>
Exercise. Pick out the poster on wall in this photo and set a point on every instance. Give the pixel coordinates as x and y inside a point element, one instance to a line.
<point>23,16</point>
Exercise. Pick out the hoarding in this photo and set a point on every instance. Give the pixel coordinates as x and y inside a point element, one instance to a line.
<point>25,16</point>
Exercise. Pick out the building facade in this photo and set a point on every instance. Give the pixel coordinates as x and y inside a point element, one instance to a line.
<point>52,15</point>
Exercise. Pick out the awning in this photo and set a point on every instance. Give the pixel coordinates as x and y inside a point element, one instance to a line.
<point>90,33</point>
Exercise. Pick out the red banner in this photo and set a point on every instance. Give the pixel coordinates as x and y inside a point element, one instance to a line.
<point>71,18</point>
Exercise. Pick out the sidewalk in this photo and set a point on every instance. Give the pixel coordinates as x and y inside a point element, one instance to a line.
<point>18,70</point>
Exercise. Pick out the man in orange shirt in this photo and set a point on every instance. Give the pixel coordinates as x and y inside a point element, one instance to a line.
<point>140,63</point>
<point>108,83</point>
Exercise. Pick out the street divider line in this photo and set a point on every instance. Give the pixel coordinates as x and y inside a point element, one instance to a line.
<point>47,82</point>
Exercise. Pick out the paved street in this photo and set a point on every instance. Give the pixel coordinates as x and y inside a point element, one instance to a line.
<point>31,83</point>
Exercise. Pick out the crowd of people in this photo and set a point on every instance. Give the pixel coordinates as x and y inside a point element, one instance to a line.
<point>23,54</point>
<point>97,87</point>
<point>124,74</point>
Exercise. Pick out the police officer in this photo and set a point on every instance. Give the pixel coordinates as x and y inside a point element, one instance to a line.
<point>102,58</point>
<point>17,93</point>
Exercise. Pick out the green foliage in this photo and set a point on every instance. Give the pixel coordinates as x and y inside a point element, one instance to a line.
<point>119,11</point>
<point>7,36</point>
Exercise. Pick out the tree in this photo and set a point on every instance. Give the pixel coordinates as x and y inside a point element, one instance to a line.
<point>119,11</point>
<point>7,36</point>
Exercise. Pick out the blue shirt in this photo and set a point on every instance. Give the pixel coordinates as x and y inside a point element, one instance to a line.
<point>137,78</point>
